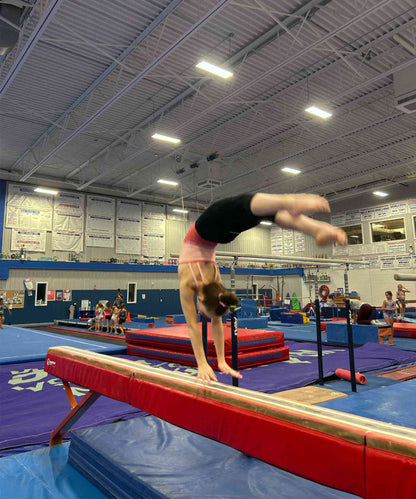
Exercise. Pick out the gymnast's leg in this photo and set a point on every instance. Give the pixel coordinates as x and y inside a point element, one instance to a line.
<point>287,210</point>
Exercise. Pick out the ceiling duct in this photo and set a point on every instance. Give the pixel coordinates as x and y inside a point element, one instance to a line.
<point>405,89</point>
<point>12,16</point>
<point>209,183</point>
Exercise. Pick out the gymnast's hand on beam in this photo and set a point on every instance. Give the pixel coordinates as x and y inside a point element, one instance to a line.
<point>206,374</point>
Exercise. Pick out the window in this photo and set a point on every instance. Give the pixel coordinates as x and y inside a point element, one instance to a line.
<point>131,292</point>
<point>41,296</point>
<point>390,230</point>
<point>354,234</point>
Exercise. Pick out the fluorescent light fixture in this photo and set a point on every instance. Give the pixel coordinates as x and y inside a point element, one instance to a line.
<point>178,210</point>
<point>318,112</point>
<point>165,138</point>
<point>216,70</point>
<point>380,194</point>
<point>167,182</point>
<point>290,170</point>
<point>264,222</point>
<point>356,237</point>
<point>46,191</point>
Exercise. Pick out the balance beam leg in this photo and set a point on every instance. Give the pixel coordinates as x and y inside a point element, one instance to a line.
<point>76,412</point>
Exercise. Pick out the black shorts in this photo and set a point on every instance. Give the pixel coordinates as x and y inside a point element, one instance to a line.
<point>224,220</point>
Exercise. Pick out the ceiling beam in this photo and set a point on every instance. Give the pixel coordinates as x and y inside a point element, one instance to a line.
<point>115,64</point>
<point>190,32</point>
<point>35,36</point>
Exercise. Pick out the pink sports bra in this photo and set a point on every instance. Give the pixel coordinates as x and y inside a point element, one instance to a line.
<point>195,249</point>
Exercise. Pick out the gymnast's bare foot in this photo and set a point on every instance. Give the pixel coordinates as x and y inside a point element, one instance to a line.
<point>327,234</point>
<point>296,204</point>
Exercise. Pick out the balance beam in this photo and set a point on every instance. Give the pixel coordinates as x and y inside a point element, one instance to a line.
<point>342,451</point>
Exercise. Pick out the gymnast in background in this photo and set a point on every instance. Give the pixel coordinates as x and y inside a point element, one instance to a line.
<point>221,223</point>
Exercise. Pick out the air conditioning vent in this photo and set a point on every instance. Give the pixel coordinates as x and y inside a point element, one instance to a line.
<point>407,104</point>
<point>208,183</point>
<point>405,89</point>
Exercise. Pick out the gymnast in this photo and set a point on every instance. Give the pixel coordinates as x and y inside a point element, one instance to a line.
<point>222,222</point>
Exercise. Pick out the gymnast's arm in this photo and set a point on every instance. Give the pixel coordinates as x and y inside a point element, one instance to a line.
<point>187,294</point>
<point>218,335</point>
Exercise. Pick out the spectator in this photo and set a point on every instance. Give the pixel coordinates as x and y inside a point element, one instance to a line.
<point>122,317</point>
<point>119,299</point>
<point>107,315</point>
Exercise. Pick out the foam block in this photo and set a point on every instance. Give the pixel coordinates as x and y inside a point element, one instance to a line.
<point>337,333</point>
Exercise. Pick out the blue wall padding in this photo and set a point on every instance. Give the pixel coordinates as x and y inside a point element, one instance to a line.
<point>156,303</point>
<point>362,333</point>
<point>253,323</point>
<point>147,457</point>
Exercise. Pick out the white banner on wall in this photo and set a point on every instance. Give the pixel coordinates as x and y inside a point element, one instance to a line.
<point>153,230</point>
<point>411,203</point>
<point>31,240</point>
<point>129,215</point>
<point>98,240</point>
<point>67,241</point>
<point>398,208</point>
<point>68,212</point>
<point>396,247</point>
<point>153,246</point>
<point>276,240</point>
<point>288,245</point>
<point>338,219</point>
<point>100,222</point>
<point>352,217</point>
<point>28,209</point>
<point>373,261</point>
<point>388,262</point>
<point>131,245</point>
<point>404,261</point>
<point>299,242</point>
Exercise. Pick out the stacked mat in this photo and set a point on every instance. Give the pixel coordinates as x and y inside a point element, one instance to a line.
<point>149,458</point>
<point>255,347</point>
<point>291,318</point>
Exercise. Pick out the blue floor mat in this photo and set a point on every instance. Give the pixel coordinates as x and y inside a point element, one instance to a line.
<point>44,474</point>
<point>392,404</point>
<point>20,344</point>
<point>174,463</point>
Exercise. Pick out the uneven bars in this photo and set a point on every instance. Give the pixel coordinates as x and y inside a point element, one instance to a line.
<point>291,259</point>
<point>284,259</point>
<point>405,277</point>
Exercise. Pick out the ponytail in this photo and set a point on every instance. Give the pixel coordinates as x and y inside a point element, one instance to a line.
<point>217,298</point>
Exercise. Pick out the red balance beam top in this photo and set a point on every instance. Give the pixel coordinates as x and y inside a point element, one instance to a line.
<point>332,443</point>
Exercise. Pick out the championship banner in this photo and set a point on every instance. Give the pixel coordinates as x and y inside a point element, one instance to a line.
<point>131,245</point>
<point>68,212</point>
<point>29,240</point>
<point>100,222</point>
<point>28,210</point>
<point>153,230</point>
<point>67,241</point>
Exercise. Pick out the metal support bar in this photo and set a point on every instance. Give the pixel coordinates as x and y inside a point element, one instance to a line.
<point>318,331</point>
<point>69,394</point>
<point>72,417</point>
<point>234,324</point>
<point>289,259</point>
<point>43,23</point>
<point>205,335</point>
<point>405,277</point>
<point>349,332</point>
